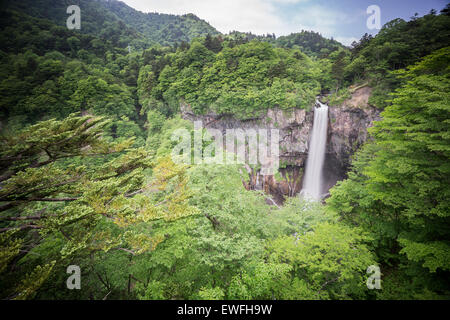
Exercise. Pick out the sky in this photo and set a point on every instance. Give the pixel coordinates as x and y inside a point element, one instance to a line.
<point>344,20</point>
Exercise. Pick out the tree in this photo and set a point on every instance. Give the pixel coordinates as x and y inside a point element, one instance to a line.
<point>340,61</point>
<point>400,187</point>
<point>213,43</point>
<point>446,10</point>
<point>327,263</point>
<point>52,191</point>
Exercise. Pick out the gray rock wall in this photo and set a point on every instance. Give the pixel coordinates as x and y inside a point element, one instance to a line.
<point>347,131</point>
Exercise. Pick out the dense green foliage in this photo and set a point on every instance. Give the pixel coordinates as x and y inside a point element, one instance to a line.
<point>96,20</point>
<point>398,44</point>
<point>86,176</point>
<point>242,80</point>
<point>164,29</point>
<point>169,233</point>
<point>313,44</point>
<point>58,205</point>
<point>70,72</point>
<point>116,22</point>
<point>399,188</point>
<point>309,42</point>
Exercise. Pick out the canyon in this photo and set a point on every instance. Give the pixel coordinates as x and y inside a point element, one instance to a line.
<point>347,132</point>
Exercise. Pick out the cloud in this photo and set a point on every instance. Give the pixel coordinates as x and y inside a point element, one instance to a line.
<point>256,16</point>
<point>320,19</point>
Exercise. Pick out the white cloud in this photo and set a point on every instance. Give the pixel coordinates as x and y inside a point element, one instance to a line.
<point>320,19</point>
<point>257,16</point>
<point>289,1</point>
<point>346,40</point>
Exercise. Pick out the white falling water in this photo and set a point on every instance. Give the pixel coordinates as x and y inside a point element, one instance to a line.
<point>312,184</point>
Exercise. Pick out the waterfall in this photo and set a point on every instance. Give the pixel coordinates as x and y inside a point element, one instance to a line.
<point>312,183</point>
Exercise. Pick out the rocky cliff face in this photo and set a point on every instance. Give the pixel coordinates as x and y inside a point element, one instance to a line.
<point>347,131</point>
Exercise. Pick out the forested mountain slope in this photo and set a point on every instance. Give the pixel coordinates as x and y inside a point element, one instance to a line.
<point>309,42</point>
<point>399,188</point>
<point>95,19</point>
<point>399,44</point>
<point>165,29</point>
<point>49,71</point>
<point>313,44</point>
<point>87,177</point>
<point>119,23</point>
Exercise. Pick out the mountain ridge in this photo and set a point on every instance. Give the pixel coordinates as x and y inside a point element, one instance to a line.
<point>108,18</point>
<point>114,18</point>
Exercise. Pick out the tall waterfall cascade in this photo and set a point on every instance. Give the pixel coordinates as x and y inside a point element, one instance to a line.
<point>312,183</point>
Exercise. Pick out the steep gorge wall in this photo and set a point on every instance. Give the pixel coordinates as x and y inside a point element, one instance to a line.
<point>347,131</point>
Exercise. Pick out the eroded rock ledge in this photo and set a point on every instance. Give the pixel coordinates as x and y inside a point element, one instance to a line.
<point>347,131</point>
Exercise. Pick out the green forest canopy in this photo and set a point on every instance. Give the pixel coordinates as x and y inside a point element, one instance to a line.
<point>86,176</point>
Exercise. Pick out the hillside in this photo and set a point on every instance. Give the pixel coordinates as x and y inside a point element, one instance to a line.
<point>165,29</point>
<point>90,134</point>
<point>399,44</point>
<point>115,21</point>
<point>310,42</point>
